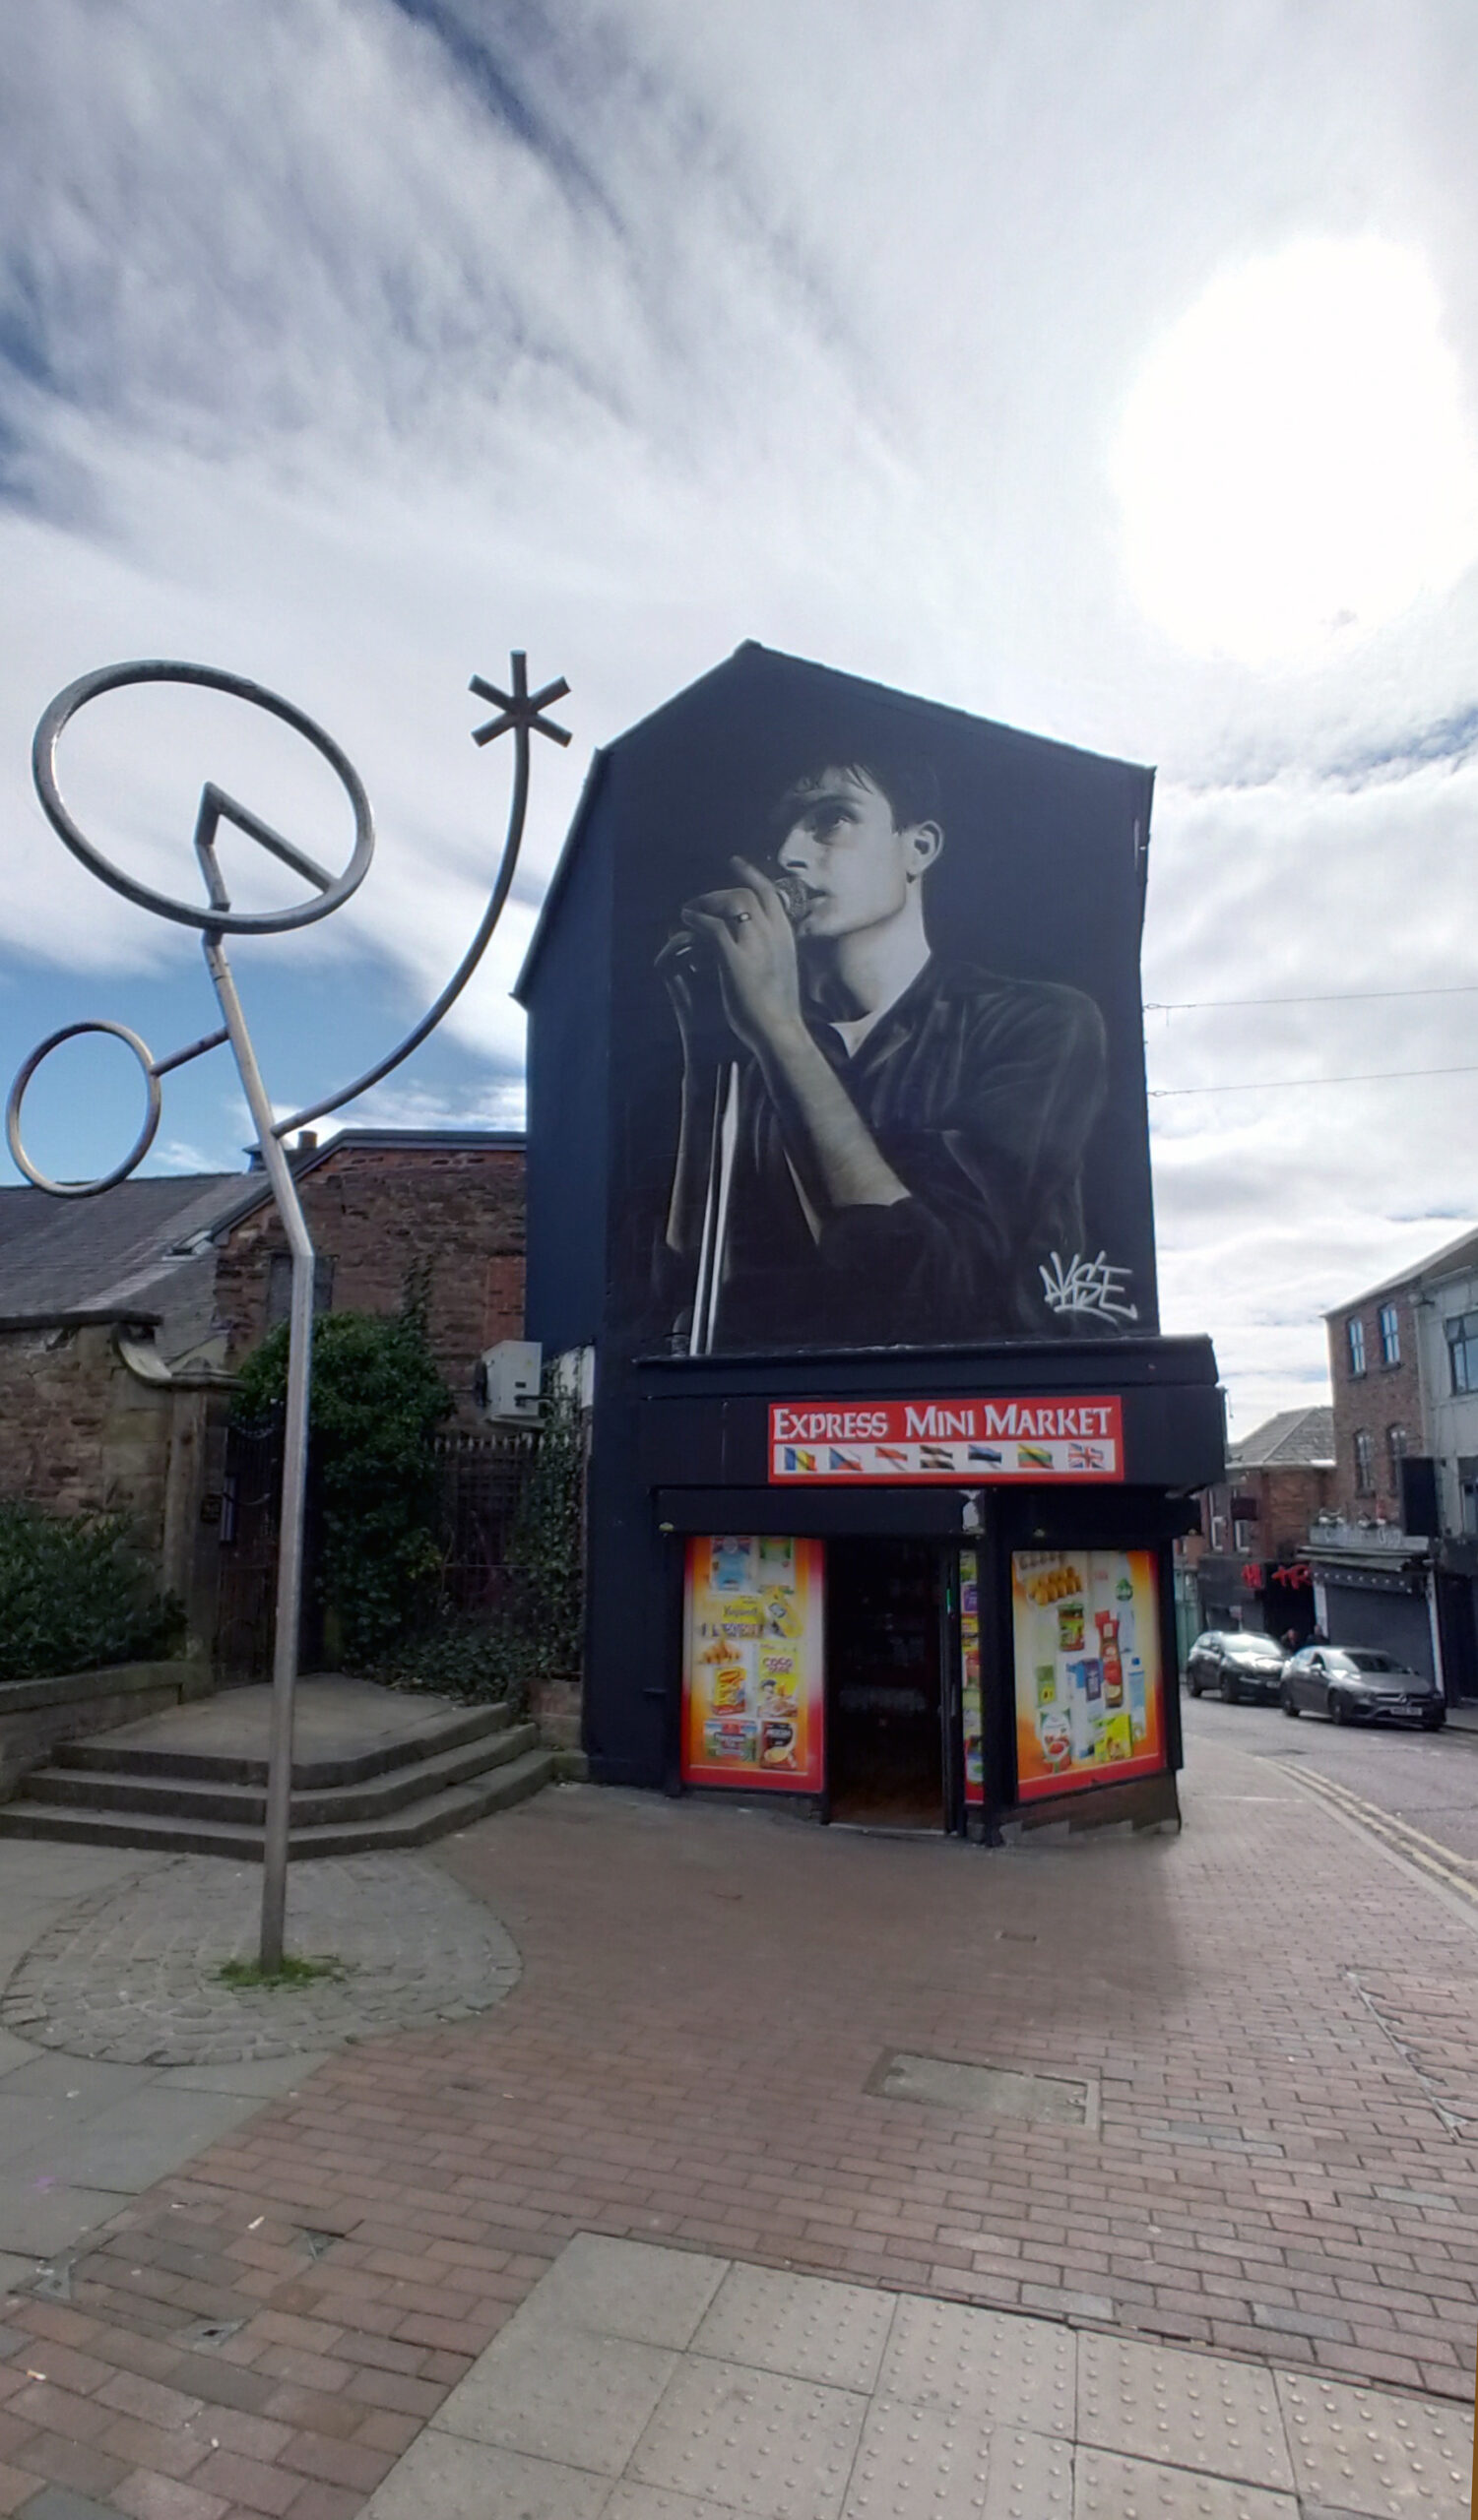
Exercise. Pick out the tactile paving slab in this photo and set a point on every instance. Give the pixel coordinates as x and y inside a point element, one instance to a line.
<point>985,2362</point>
<point>775,2448</point>
<point>922,2462</point>
<point>803,2325</point>
<point>1114,2489</point>
<point>1383,2457</point>
<point>1181,2410</point>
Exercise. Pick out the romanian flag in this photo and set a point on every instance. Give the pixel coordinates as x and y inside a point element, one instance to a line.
<point>800,1461</point>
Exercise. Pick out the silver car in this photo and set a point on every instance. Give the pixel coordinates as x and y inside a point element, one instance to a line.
<point>1356,1684</point>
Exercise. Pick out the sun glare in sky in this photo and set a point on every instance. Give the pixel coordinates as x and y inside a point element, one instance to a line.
<point>1294,464</point>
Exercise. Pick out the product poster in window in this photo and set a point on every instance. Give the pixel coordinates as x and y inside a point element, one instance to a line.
<point>752,1697</point>
<point>970,1686</point>
<point>1089,1695</point>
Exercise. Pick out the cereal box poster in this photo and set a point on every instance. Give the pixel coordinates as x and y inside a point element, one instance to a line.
<point>878,1067</point>
<point>752,1703</point>
<point>1089,1697</point>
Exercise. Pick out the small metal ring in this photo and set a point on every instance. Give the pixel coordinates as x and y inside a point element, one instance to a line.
<point>266,922</point>
<point>741,917</point>
<point>142,1143</point>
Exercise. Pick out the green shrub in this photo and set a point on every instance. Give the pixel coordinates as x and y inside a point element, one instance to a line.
<point>487,1661</point>
<point>74,1594</point>
<point>376,1402</point>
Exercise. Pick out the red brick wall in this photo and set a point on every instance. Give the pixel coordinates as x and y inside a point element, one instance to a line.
<point>382,1214</point>
<point>1383,1397</point>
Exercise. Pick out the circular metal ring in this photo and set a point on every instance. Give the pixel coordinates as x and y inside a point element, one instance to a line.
<point>90,686</point>
<point>142,1143</point>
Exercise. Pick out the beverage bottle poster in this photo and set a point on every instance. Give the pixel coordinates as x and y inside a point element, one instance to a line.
<point>970,1682</point>
<point>1088,1683</point>
<point>752,1667</point>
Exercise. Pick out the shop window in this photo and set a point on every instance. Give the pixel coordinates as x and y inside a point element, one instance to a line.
<point>1355,1333</point>
<point>1218,1531</point>
<point>1390,1335</point>
<point>1365,1463</point>
<point>280,1286</point>
<point>1462,1347</point>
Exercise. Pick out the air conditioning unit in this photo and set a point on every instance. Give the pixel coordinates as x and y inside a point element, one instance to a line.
<point>507,1381</point>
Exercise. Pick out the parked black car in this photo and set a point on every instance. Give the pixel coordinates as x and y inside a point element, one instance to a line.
<point>1355,1684</point>
<point>1235,1663</point>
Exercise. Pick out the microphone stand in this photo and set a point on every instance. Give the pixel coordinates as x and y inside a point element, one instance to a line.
<point>722,1148</point>
<point>713,1247</point>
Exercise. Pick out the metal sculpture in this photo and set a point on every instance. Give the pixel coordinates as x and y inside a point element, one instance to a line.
<point>519,712</point>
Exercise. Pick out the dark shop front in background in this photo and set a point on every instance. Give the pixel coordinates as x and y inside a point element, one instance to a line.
<point>838,1161</point>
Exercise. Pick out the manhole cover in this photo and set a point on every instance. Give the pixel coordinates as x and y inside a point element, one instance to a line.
<point>985,2091</point>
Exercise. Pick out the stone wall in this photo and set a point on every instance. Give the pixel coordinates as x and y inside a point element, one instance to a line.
<point>36,1715</point>
<point>78,1432</point>
<point>453,1215</point>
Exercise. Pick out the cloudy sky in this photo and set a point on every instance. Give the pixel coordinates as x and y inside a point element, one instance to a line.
<point>1107,368</point>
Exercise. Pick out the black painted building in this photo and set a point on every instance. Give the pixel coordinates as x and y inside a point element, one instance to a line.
<point>838,1161</point>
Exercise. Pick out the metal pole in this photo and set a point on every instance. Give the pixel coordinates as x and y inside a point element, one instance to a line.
<point>294,1465</point>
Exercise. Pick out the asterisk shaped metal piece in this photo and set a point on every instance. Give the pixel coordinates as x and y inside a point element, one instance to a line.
<point>520,707</point>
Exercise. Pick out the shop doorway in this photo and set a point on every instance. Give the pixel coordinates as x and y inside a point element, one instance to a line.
<point>884,1758</point>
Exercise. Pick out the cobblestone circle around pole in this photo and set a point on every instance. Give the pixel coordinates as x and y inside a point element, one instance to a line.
<point>131,1973</point>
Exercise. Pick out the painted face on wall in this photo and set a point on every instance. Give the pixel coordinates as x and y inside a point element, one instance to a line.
<point>844,847</point>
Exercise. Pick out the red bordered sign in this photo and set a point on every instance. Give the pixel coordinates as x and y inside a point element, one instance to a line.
<point>955,1444</point>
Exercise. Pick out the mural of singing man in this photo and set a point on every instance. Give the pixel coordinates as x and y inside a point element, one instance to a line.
<point>904,1130</point>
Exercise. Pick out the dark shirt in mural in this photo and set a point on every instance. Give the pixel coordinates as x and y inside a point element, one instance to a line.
<point>981,1092</point>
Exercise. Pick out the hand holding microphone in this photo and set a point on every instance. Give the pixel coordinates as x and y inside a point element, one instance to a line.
<point>746,934</point>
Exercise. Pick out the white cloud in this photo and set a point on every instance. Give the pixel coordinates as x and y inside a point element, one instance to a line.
<point>344,354</point>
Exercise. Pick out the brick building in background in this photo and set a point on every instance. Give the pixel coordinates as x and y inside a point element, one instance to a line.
<point>1397,1561</point>
<point>1248,1559</point>
<point>123,1318</point>
<point>388,1210</point>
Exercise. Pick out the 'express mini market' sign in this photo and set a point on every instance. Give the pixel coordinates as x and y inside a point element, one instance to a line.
<point>963,1443</point>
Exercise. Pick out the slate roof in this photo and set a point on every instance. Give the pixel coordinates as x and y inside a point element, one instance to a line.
<point>1295,1436</point>
<point>124,1255</point>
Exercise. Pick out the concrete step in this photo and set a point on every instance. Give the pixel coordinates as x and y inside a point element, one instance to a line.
<point>416,1824</point>
<point>163,1791</point>
<point>438,1732</point>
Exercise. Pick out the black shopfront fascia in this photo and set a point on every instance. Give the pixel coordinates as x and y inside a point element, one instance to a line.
<point>680,1446</point>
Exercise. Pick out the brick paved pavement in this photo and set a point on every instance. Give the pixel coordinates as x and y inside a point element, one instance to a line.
<point>1282,2020</point>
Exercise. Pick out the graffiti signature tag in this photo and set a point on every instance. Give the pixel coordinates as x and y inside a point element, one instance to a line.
<point>1097,1288</point>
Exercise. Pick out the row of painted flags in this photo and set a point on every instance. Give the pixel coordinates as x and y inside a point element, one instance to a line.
<point>875,1461</point>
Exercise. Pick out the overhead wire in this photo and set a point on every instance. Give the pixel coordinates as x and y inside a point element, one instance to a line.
<point>1321,997</point>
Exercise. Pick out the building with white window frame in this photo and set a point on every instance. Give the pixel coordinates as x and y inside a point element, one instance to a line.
<point>1395,1560</point>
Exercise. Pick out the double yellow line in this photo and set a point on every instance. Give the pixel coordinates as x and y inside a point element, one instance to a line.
<point>1453,1871</point>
